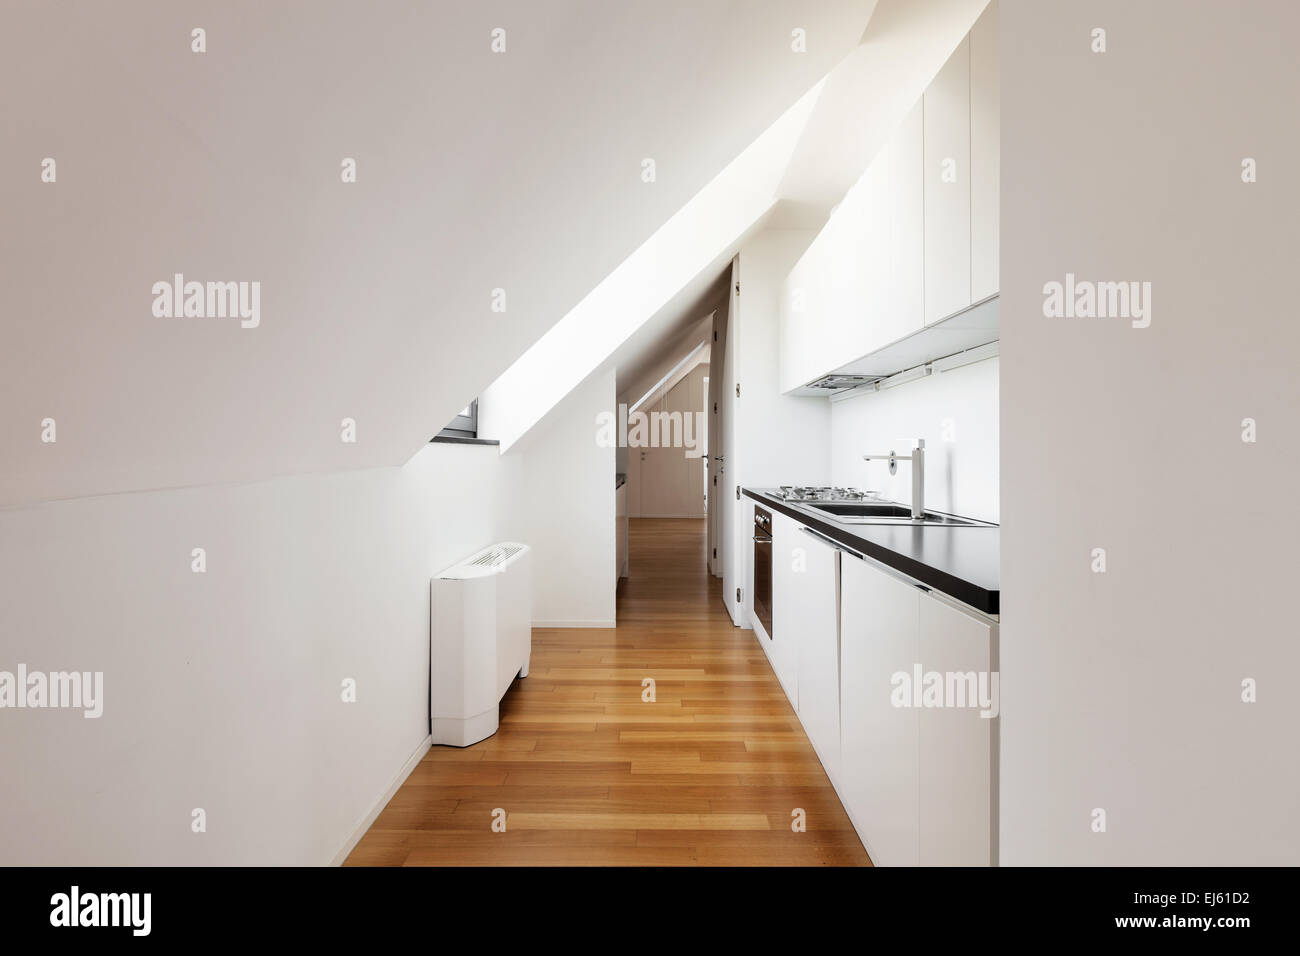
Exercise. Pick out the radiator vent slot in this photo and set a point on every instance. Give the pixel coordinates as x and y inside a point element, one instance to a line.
<point>494,559</point>
<point>498,554</point>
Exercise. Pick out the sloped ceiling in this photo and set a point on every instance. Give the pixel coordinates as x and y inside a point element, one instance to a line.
<point>870,91</point>
<point>475,171</point>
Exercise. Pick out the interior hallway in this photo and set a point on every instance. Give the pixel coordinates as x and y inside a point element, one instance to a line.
<point>589,773</point>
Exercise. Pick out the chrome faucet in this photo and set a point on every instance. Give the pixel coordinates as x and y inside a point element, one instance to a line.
<point>917,458</point>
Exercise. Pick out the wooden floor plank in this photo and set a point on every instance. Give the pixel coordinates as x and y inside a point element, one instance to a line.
<point>588,773</point>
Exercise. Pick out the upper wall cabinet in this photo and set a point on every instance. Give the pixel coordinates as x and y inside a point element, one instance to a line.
<point>859,286</point>
<point>915,240</point>
<point>984,155</point>
<point>907,234</point>
<point>947,188</point>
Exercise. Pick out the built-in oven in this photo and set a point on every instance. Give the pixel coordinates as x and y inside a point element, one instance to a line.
<point>763,568</point>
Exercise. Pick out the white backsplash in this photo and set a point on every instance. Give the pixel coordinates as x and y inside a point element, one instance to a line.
<point>956,412</point>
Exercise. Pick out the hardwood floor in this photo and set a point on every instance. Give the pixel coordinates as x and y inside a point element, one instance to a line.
<point>590,774</point>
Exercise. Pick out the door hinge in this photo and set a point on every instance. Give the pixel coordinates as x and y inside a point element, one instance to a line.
<point>715,554</point>
<point>738,390</point>
<point>737,492</point>
<point>715,408</point>
<point>739,592</point>
<point>737,288</point>
<point>715,335</point>
<point>715,481</point>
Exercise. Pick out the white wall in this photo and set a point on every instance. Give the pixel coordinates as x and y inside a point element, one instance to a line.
<point>222,689</point>
<point>563,506</point>
<point>956,412</point>
<point>171,161</point>
<point>1122,691</point>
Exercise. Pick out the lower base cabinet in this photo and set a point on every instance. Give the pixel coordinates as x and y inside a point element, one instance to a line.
<point>816,563</point>
<point>878,745</point>
<point>917,721</point>
<point>955,742</point>
<point>895,686</point>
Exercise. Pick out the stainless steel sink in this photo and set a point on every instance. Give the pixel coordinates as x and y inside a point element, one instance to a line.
<point>887,513</point>
<point>849,509</point>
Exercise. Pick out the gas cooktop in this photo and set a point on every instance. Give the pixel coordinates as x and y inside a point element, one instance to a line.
<point>823,493</point>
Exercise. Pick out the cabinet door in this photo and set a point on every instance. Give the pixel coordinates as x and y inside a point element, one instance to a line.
<point>955,742</point>
<point>787,595</point>
<point>815,612</point>
<point>865,313</point>
<point>947,188</point>
<point>984,154</point>
<point>878,743</point>
<point>808,310</point>
<point>907,228</point>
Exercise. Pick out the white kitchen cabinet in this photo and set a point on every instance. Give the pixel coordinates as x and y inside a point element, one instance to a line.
<point>955,743</point>
<point>808,313</point>
<point>984,154</point>
<point>879,755</point>
<point>813,608</point>
<point>782,645</point>
<point>859,286</point>
<point>906,243</point>
<point>947,120</point>
<point>915,240</point>
<point>917,781</point>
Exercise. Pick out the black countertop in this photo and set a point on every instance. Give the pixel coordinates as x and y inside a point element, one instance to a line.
<point>962,562</point>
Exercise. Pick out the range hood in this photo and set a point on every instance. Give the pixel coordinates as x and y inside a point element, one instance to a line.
<point>968,335</point>
<point>836,383</point>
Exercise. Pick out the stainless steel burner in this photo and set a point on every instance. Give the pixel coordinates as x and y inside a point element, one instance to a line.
<point>823,493</point>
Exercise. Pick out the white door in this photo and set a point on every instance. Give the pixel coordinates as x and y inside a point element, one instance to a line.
<point>713,486</point>
<point>878,744</point>
<point>735,538</point>
<point>634,458</point>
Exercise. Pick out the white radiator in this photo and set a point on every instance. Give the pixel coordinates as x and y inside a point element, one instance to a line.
<point>480,637</point>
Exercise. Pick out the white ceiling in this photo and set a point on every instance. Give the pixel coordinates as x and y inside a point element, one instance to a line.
<point>476,171</point>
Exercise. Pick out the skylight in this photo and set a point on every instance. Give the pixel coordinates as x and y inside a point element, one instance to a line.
<point>645,281</point>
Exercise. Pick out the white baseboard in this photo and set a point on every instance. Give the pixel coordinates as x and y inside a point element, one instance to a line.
<point>574,624</point>
<point>382,802</point>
